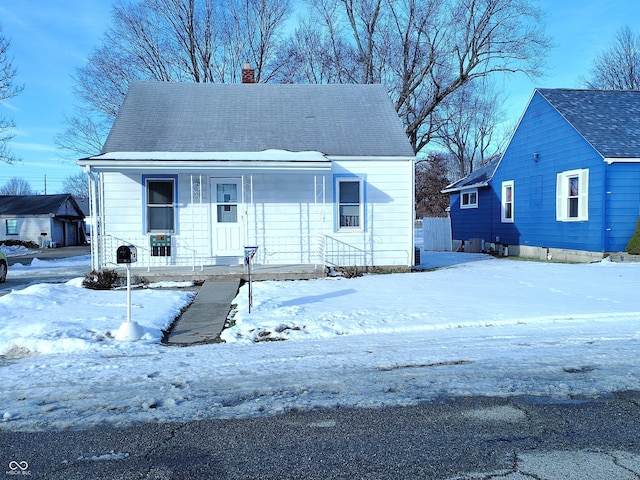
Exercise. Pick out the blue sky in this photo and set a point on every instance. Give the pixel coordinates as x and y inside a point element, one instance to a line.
<point>50,39</point>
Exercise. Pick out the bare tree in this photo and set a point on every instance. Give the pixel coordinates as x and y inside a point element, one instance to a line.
<point>423,50</point>
<point>77,185</point>
<point>618,66</point>
<point>431,179</point>
<point>16,186</point>
<point>171,40</point>
<point>8,89</point>
<point>469,128</point>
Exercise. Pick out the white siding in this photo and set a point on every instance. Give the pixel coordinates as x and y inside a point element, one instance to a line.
<point>387,238</point>
<point>288,215</point>
<point>29,229</point>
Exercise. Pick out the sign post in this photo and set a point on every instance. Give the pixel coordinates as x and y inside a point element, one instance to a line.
<point>249,253</point>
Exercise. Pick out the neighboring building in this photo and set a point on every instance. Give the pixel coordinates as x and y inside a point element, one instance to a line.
<point>568,184</point>
<point>190,174</point>
<point>47,220</point>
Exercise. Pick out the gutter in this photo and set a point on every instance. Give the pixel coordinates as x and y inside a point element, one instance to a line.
<point>465,187</point>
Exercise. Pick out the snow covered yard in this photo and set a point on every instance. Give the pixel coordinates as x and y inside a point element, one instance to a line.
<point>477,326</point>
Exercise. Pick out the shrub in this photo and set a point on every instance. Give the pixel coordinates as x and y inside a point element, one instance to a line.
<point>633,247</point>
<point>100,280</point>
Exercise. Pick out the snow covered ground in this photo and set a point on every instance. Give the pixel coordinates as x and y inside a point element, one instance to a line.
<point>476,326</point>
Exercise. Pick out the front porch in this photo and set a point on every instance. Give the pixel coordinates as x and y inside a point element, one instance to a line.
<point>224,272</point>
<point>288,263</point>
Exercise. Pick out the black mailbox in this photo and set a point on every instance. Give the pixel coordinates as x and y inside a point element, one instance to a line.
<point>126,254</point>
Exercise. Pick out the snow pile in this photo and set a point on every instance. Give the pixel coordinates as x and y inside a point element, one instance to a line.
<point>66,318</point>
<point>490,293</point>
<point>15,250</point>
<point>46,267</point>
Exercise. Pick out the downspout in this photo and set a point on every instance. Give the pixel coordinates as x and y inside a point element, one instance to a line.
<point>193,225</point>
<point>412,245</point>
<point>605,194</point>
<point>93,225</point>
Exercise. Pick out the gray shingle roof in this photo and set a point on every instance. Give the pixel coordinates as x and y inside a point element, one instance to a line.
<point>477,178</point>
<point>609,120</point>
<point>20,205</point>
<point>187,117</point>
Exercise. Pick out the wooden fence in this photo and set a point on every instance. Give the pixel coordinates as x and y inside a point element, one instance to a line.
<point>436,234</point>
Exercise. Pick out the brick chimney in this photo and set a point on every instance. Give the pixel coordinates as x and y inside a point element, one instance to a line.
<point>248,74</point>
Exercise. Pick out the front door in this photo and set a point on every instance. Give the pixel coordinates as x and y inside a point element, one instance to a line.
<point>226,196</point>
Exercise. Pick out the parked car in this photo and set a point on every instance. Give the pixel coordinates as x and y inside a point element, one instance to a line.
<point>3,267</point>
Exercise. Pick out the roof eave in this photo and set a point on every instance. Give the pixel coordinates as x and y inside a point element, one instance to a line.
<point>199,165</point>
<point>464,187</point>
<point>263,160</point>
<point>611,160</point>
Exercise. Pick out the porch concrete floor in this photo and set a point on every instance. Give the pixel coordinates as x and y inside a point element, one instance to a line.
<point>226,272</point>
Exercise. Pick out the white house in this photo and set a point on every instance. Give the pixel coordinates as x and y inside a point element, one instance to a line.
<point>190,174</point>
<point>47,220</point>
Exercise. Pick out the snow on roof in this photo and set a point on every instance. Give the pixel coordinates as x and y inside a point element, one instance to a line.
<point>270,155</point>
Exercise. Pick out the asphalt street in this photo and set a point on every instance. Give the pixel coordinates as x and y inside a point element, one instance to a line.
<point>463,438</point>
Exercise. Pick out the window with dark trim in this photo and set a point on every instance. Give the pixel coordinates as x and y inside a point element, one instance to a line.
<point>160,205</point>
<point>349,197</point>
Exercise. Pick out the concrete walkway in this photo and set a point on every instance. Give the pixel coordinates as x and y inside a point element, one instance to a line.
<point>204,320</point>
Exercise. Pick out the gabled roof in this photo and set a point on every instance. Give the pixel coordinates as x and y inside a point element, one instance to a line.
<point>339,120</point>
<point>477,178</point>
<point>62,205</point>
<point>608,119</point>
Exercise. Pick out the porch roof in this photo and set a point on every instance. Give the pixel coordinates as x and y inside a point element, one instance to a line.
<point>267,159</point>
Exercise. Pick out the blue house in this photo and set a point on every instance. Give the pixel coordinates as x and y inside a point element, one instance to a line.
<point>568,185</point>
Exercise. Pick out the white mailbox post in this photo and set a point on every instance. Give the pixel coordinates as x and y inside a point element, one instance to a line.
<point>128,331</point>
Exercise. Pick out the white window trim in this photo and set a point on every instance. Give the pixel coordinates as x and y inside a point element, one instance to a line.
<point>562,195</point>
<point>468,193</point>
<point>503,202</point>
<point>16,226</point>
<point>361,199</point>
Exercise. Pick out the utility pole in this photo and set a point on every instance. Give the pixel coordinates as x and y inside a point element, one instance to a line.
<point>45,184</point>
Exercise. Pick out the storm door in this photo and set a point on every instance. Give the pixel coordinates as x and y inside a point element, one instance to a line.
<point>227,226</point>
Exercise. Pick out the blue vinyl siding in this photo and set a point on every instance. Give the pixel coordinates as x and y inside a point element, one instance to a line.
<point>622,204</point>
<point>613,200</point>
<point>472,222</point>
<point>559,148</point>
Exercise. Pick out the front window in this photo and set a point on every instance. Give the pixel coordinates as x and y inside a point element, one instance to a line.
<point>469,199</point>
<point>349,203</point>
<point>572,196</point>
<point>160,205</point>
<point>11,225</point>
<point>507,202</point>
